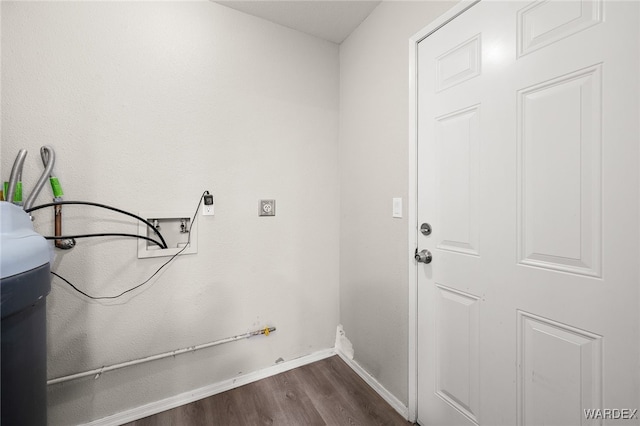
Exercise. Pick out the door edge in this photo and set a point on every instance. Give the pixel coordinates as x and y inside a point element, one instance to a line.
<point>412,208</point>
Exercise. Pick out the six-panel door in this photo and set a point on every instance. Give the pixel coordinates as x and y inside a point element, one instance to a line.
<point>528,173</point>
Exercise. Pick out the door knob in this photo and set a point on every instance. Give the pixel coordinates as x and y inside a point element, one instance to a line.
<point>423,256</point>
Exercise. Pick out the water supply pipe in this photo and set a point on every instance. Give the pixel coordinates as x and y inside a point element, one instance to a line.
<point>97,372</point>
<point>48,159</point>
<point>16,174</point>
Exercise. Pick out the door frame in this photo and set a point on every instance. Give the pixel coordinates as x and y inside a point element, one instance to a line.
<point>412,209</point>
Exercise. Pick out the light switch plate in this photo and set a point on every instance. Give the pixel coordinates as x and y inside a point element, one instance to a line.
<point>397,207</point>
<point>267,208</point>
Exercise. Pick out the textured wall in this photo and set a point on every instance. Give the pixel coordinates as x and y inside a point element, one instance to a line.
<point>374,123</point>
<point>147,105</point>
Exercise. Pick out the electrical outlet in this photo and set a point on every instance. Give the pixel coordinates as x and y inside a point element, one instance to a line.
<point>207,207</point>
<point>267,208</point>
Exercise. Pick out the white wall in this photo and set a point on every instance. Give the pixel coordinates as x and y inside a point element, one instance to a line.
<point>374,123</point>
<point>147,105</point>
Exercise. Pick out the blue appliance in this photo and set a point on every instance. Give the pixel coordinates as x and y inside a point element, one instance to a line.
<point>24,285</point>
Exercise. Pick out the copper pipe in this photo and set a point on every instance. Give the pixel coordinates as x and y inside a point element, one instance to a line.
<point>65,244</point>
<point>57,212</point>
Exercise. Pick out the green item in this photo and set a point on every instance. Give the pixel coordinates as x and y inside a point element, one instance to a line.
<point>56,187</point>
<point>17,198</point>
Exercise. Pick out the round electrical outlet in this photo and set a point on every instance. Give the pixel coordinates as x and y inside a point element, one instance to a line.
<point>267,208</point>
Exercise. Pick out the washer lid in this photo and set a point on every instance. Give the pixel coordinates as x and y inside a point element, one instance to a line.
<point>21,248</point>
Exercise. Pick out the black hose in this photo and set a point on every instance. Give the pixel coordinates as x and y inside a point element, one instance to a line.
<point>104,206</point>
<point>195,215</point>
<point>109,234</point>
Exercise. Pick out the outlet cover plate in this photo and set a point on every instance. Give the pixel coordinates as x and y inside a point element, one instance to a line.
<point>267,208</point>
<point>207,209</point>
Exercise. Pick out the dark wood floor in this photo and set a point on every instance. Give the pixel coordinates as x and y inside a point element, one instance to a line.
<point>326,392</point>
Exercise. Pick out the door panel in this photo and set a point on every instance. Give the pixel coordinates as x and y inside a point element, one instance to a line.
<point>456,142</point>
<point>561,372</point>
<point>528,165</point>
<point>559,177</point>
<point>457,367</point>
<point>459,64</point>
<point>543,23</point>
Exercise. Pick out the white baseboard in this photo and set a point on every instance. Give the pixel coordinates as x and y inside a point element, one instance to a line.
<point>207,391</point>
<point>225,385</point>
<point>376,385</point>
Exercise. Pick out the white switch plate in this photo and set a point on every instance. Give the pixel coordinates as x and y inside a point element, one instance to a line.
<point>397,207</point>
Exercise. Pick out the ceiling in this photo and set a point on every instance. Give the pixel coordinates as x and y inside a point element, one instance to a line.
<point>331,20</point>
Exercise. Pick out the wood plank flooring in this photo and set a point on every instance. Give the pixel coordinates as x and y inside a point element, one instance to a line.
<point>326,392</point>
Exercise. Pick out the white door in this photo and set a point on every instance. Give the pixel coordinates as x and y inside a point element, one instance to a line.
<point>528,175</point>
